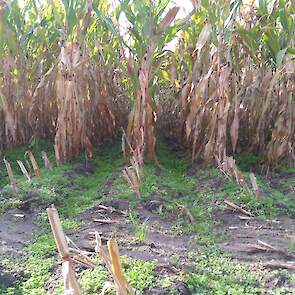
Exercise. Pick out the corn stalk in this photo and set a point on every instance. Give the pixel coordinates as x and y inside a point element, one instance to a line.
<point>149,32</point>
<point>229,103</point>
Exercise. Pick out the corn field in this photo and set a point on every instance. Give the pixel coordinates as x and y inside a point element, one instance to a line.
<point>77,72</point>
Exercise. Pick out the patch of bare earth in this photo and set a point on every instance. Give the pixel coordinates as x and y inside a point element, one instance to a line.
<point>265,245</point>
<point>283,182</point>
<point>159,243</point>
<point>16,231</point>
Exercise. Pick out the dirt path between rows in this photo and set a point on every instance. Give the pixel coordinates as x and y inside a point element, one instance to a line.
<point>268,244</point>
<point>240,238</point>
<point>243,240</point>
<point>159,243</point>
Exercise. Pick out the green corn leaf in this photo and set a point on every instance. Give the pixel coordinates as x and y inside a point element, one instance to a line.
<point>291,51</point>
<point>106,20</point>
<point>280,56</point>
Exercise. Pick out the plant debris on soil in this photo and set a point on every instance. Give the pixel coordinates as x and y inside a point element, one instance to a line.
<point>245,239</point>
<point>180,237</point>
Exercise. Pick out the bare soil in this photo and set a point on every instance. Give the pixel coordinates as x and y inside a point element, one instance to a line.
<point>283,182</point>
<point>242,239</point>
<point>240,242</point>
<point>160,242</point>
<point>16,230</point>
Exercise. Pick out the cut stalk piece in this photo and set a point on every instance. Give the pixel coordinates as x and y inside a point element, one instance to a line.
<point>47,163</point>
<point>117,267</point>
<point>24,170</point>
<point>113,264</point>
<point>34,164</point>
<point>70,280</point>
<point>238,208</point>
<point>254,185</point>
<point>11,176</point>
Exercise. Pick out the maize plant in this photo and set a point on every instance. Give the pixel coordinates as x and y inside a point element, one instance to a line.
<point>71,71</point>
<point>56,75</point>
<point>148,31</point>
<point>238,87</point>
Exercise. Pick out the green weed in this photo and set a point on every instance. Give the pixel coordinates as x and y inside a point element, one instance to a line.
<point>247,161</point>
<point>8,204</point>
<point>215,274</point>
<point>140,229</point>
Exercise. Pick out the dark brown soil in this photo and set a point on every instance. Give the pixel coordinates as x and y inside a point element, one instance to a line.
<point>16,230</point>
<point>7,278</point>
<point>159,243</point>
<point>80,169</point>
<point>283,182</point>
<point>242,239</point>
